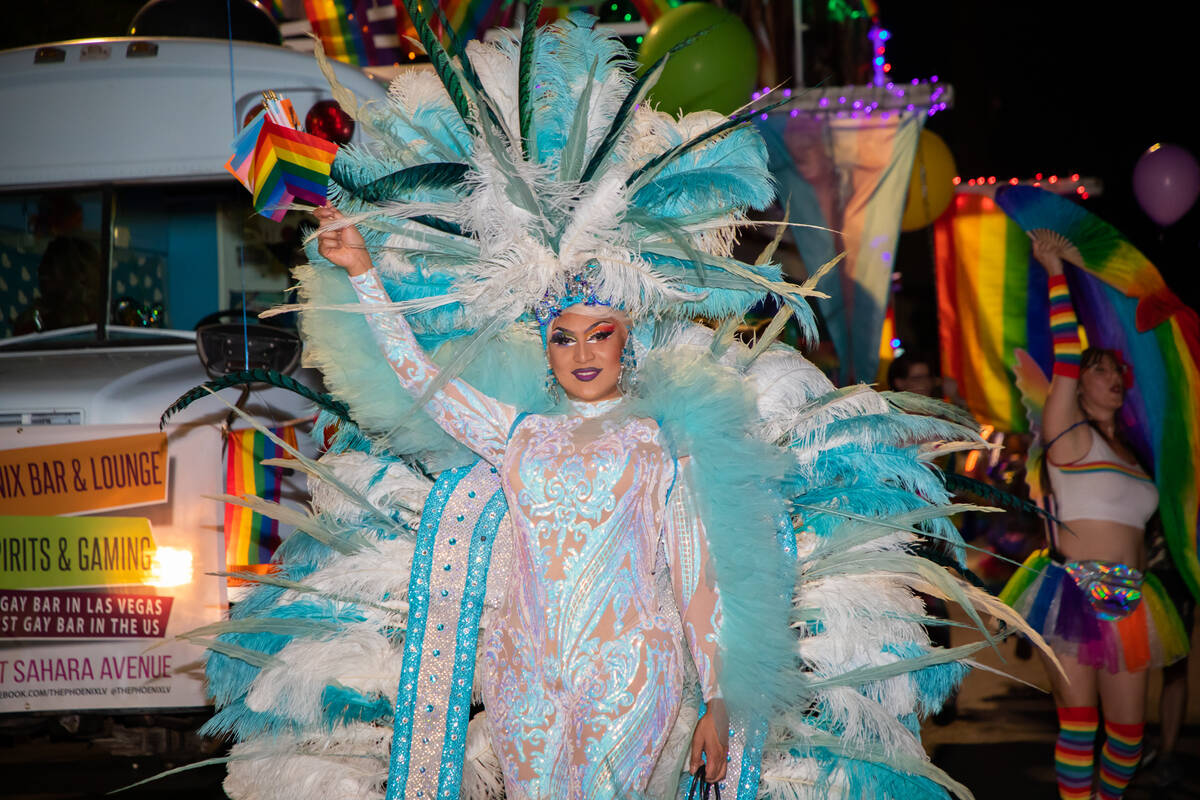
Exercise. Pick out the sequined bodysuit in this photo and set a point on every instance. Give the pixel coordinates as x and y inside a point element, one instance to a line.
<point>583,672</point>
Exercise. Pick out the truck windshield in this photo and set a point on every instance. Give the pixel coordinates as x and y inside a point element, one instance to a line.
<point>136,257</point>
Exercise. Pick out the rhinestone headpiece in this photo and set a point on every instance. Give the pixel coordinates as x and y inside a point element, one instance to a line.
<point>577,289</point>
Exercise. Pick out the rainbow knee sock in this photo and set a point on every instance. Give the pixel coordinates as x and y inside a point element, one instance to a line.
<point>1119,758</point>
<point>1074,752</point>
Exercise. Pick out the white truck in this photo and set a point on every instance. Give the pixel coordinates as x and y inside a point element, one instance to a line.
<point>120,234</point>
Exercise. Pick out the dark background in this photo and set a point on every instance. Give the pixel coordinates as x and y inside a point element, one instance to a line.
<point>1056,86</point>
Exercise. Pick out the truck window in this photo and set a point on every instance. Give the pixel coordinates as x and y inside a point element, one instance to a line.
<point>180,255</point>
<point>50,272</point>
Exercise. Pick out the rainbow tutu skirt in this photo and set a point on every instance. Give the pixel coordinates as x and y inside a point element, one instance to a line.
<point>1045,594</point>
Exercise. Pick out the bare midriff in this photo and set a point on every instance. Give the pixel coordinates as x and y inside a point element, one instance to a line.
<point>1101,540</point>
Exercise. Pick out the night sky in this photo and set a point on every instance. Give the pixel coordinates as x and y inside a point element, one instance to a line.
<point>1055,87</point>
<point>1050,86</point>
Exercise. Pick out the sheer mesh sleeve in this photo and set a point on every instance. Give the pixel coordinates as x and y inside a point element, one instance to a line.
<point>693,581</point>
<point>478,421</point>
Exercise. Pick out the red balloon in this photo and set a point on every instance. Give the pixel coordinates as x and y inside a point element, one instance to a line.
<point>327,120</point>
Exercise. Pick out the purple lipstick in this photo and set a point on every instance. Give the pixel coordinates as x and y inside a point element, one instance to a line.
<point>586,374</point>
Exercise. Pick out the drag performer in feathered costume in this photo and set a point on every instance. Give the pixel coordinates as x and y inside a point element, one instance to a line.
<point>582,672</point>
<point>699,530</point>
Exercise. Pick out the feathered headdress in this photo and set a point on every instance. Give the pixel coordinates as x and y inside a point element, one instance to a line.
<point>523,168</point>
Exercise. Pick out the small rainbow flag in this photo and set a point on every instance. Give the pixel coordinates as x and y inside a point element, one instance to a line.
<point>251,538</point>
<point>279,164</point>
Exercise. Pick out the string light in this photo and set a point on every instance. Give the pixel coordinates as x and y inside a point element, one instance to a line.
<point>883,95</point>
<point>1054,183</point>
<point>878,35</point>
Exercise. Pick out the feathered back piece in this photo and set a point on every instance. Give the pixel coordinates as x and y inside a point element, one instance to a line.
<point>497,181</point>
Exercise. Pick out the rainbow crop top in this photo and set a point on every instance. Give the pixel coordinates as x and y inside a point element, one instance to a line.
<point>1103,486</point>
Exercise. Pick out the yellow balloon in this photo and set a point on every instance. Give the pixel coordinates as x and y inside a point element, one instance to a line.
<point>931,186</point>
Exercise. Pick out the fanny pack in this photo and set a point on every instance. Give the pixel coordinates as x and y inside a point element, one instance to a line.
<point>1114,589</point>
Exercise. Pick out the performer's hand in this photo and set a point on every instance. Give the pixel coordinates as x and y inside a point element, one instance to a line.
<point>712,739</point>
<point>1050,248</point>
<point>344,246</point>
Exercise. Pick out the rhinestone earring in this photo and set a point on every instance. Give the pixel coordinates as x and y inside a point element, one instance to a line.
<point>552,385</point>
<point>627,378</point>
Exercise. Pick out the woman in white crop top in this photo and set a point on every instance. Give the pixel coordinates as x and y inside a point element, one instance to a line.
<point>1086,594</point>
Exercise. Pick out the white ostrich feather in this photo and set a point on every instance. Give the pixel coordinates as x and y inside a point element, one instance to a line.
<point>498,72</point>
<point>415,89</point>
<point>786,777</point>
<point>482,777</point>
<point>350,762</point>
<point>372,576</point>
<point>359,658</point>
<point>865,722</point>
<point>385,485</point>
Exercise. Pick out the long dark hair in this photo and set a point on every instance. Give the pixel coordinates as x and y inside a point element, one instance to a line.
<point>1091,357</point>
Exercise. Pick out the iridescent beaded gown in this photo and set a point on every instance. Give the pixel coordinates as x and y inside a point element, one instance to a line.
<point>584,670</point>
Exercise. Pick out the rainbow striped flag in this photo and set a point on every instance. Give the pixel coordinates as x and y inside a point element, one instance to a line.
<point>340,30</point>
<point>251,538</point>
<point>470,19</point>
<point>289,165</point>
<point>991,302</point>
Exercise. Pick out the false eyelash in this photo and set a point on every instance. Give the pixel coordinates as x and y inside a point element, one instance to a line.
<point>558,337</point>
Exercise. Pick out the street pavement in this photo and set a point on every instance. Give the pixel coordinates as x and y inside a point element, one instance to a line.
<point>1001,744</point>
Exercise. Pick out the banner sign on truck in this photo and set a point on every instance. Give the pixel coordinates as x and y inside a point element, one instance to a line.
<point>105,554</point>
<point>91,475</point>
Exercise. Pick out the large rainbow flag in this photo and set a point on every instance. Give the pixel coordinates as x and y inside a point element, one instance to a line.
<point>251,538</point>
<point>992,301</point>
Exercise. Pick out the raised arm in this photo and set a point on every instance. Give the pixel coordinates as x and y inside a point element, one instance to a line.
<point>480,422</point>
<point>699,602</point>
<point>1062,407</point>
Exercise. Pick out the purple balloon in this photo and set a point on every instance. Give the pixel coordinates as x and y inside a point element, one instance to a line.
<point>1166,181</point>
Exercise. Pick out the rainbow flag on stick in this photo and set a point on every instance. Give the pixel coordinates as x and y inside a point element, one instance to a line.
<point>280,164</point>
<point>251,538</point>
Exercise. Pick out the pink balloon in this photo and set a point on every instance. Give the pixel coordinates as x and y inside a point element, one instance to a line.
<point>1166,181</point>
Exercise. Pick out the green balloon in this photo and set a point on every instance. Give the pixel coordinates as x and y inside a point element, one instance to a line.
<point>716,72</point>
